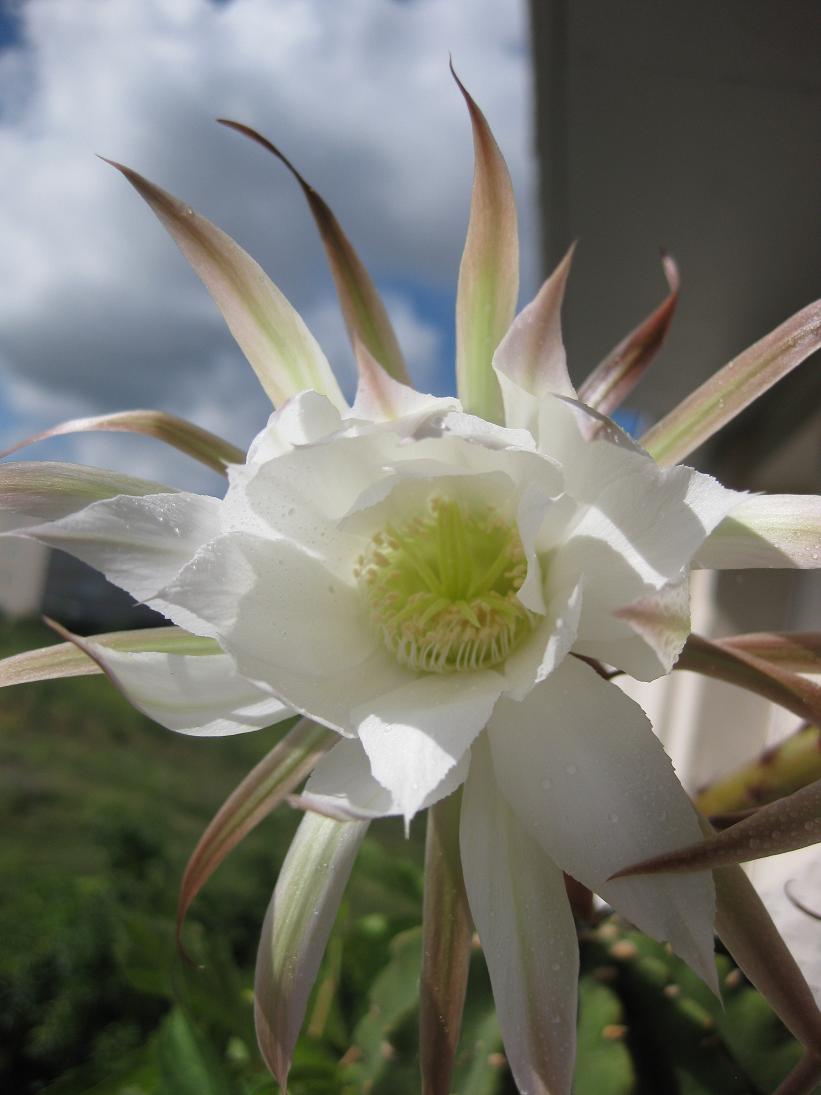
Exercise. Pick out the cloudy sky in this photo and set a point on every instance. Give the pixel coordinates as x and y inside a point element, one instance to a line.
<point>99,312</point>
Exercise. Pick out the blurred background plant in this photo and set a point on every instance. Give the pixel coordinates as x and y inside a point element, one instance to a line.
<point>105,808</point>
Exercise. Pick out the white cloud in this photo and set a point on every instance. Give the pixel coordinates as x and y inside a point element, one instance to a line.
<point>98,312</point>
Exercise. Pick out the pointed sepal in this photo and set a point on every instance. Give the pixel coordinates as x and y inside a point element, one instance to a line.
<point>489,272</point>
<point>263,789</point>
<point>366,317</point>
<point>731,389</point>
<point>615,377</point>
<point>194,441</point>
<point>282,351</point>
<point>296,929</point>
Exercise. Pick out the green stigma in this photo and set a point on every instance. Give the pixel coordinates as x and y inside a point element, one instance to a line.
<point>442,588</point>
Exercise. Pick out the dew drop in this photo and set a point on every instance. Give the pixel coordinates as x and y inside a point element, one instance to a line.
<point>613,817</point>
<point>547,784</point>
<point>571,769</point>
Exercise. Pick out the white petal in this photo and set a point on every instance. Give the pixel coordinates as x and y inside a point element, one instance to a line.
<point>303,419</point>
<point>289,623</point>
<point>304,494</point>
<point>636,531</point>
<point>342,783</point>
<point>417,734</point>
<point>547,647</point>
<point>777,530</point>
<point>519,906</point>
<point>140,544</point>
<point>199,695</point>
<point>578,762</point>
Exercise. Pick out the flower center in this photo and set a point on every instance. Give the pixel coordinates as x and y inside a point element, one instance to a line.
<point>441,588</point>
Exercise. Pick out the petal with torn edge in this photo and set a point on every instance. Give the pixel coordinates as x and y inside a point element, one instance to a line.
<point>519,905</point>
<point>342,783</point>
<point>791,822</point>
<point>532,352</point>
<point>652,632</point>
<point>578,763</point>
<point>637,531</point>
<point>139,544</point>
<point>284,354</point>
<point>296,929</point>
<point>776,530</point>
<point>417,734</point>
<point>201,695</point>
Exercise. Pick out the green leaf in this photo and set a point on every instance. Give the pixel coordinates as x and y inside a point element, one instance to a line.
<point>67,660</point>
<point>188,1064</point>
<point>194,441</point>
<point>271,334</point>
<point>366,318</point>
<point>447,929</point>
<point>603,1061</point>
<point>262,790</point>
<point>615,377</point>
<point>489,272</point>
<point>731,389</point>
<point>393,997</point>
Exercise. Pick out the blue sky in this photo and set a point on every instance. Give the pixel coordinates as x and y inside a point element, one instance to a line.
<point>98,311</point>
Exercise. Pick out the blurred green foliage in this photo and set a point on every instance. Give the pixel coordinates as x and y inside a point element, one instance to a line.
<point>99,811</point>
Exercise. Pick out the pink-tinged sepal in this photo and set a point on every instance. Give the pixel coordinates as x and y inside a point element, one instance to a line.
<point>296,929</point>
<point>734,387</point>
<point>262,790</point>
<point>615,377</point>
<point>194,441</point>
<point>282,351</point>
<point>532,353</point>
<point>381,398</point>
<point>366,318</point>
<point>790,823</point>
<point>766,530</point>
<point>489,272</point>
